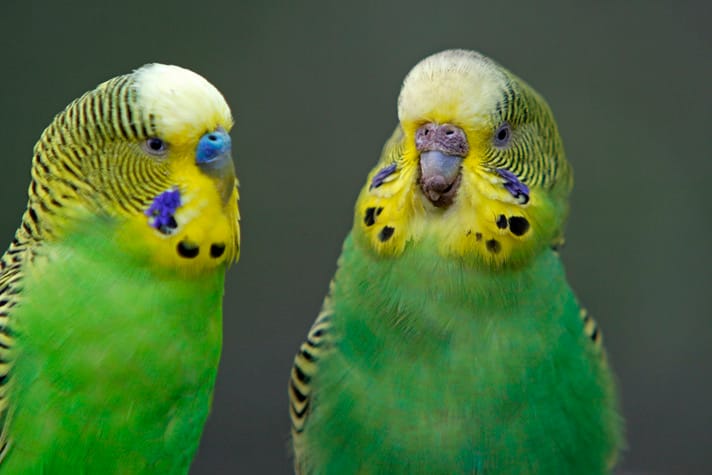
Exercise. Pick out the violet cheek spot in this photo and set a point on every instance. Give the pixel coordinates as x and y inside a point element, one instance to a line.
<point>381,176</point>
<point>161,213</point>
<point>515,187</point>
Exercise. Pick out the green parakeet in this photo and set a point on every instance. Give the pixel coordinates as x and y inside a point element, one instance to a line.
<point>450,341</point>
<point>111,291</point>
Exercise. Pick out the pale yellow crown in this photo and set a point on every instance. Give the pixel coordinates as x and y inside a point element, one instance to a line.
<point>454,86</point>
<point>179,102</point>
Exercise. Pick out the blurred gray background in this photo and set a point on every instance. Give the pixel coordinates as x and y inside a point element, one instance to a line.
<point>314,87</point>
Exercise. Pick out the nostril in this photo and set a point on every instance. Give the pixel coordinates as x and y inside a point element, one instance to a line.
<point>447,138</point>
<point>213,145</point>
<point>449,129</point>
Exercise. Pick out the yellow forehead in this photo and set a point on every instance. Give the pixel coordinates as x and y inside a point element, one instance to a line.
<point>453,86</point>
<point>180,104</point>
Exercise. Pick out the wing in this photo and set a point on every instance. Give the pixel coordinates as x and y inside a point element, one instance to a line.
<point>10,287</point>
<point>592,331</point>
<point>590,328</point>
<point>320,338</point>
<point>319,341</point>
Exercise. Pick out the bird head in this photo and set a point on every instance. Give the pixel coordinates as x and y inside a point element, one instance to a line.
<point>475,166</point>
<point>150,152</point>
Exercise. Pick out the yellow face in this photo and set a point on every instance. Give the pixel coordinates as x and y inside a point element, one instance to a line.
<point>199,230</point>
<point>151,150</point>
<point>475,167</point>
<point>206,233</point>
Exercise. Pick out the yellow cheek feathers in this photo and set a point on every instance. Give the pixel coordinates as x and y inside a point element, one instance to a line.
<point>509,201</point>
<point>189,228</point>
<point>490,221</point>
<point>385,208</point>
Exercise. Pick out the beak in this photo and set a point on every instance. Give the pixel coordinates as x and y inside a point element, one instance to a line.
<point>214,158</point>
<point>442,148</point>
<point>439,176</point>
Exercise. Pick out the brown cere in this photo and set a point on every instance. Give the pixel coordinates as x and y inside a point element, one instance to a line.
<point>447,138</point>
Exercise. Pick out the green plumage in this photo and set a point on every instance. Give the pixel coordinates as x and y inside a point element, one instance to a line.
<point>443,369</point>
<point>111,291</point>
<point>450,341</point>
<point>101,337</point>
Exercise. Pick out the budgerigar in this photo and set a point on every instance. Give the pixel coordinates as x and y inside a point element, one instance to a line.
<point>111,291</point>
<point>450,341</point>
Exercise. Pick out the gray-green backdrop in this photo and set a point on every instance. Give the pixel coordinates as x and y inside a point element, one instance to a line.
<point>313,88</point>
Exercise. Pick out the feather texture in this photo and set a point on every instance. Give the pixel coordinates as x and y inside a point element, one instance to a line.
<point>109,322</point>
<point>450,341</point>
<point>114,372</point>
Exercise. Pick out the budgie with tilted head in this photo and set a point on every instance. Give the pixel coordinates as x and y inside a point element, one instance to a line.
<point>111,291</point>
<point>450,341</point>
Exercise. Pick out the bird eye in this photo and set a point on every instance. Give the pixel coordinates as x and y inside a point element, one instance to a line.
<point>155,146</point>
<point>502,135</point>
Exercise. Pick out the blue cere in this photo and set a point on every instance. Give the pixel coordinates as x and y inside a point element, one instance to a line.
<point>213,146</point>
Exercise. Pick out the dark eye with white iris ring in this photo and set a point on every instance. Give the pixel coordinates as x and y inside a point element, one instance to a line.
<point>155,146</point>
<point>502,135</point>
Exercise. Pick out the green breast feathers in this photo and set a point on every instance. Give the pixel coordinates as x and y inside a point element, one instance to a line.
<point>450,341</point>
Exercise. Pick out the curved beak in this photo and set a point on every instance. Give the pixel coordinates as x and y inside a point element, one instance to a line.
<point>439,176</point>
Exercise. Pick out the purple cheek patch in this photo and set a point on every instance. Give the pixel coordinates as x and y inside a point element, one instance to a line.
<point>382,174</point>
<point>515,187</point>
<point>162,210</point>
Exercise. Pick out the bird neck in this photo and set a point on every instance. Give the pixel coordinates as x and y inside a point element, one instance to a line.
<point>422,293</point>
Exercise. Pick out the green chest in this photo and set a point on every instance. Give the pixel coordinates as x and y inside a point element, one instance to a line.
<point>115,365</point>
<point>438,371</point>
